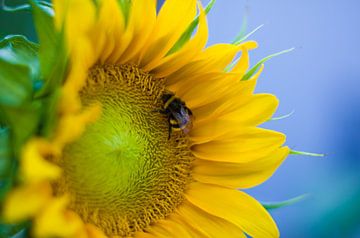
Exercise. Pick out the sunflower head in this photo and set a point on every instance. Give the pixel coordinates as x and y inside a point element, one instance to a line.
<point>124,124</point>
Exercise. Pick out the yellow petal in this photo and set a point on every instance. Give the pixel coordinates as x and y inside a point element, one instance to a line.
<point>213,59</point>
<point>15,209</point>
<point>144,235</point>
<point>249,113</point>
<point>258,110</point>
<point>236,95</point>
<point>234,206</point>
<point>34,168</point>
<point>174,14</point>
<point>113,29</point>
<point>94,232</point>
<point>172,227</point>
<point>141,22</point>
<point>77,16</point>
<point>237,101</point>
<point>68,132</point>
<point>196,93</point>
<point>56,221</point>
<point>240,145</point>
<point>244,63</point>
<point>81,59</point>
<point>209,225</point>
<point>239,175</point>
<point>183,56</point>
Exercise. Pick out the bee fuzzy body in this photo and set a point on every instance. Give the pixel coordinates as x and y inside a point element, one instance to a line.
<point>179,115</point>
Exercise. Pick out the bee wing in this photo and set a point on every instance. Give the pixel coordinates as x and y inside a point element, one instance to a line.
<point>181,116</point>
<point>188,126</point>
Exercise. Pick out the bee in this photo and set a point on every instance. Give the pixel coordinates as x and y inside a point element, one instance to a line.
<point>178,114</point>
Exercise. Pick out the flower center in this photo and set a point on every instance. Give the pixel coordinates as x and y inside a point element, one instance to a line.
<point>125,172</point>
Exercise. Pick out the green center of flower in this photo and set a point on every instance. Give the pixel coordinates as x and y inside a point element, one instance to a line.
<point>124,172</point>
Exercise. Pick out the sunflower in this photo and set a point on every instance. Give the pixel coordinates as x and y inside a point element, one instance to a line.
<point>145,131</point>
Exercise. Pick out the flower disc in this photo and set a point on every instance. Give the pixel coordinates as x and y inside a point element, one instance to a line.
<point>124,172</point>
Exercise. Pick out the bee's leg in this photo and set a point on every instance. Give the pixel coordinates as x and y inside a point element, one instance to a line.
<point>170,128</point>
<point>162,111</point>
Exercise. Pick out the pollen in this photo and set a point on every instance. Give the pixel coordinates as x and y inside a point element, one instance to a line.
<point>124,172</point>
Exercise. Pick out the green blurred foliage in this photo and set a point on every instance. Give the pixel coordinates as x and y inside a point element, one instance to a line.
<point>15,23</point>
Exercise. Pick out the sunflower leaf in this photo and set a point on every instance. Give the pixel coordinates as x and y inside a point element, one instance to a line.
<point>5,154</point>
<point>14,230</point>
<point>23,7</point>
<point>19,68</point>
<point>15,83</point>
<point>185,37</point>
<point>52,52</point>
<point>23,122</point>
<point>296,152</point>
<point>6,163</point>
<point>253,70</point>
<point>275,205</point>
<point>17,49</point>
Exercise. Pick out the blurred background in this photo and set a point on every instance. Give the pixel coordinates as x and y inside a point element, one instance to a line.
<point>319,80</point>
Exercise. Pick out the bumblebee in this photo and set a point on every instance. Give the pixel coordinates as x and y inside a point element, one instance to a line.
<point>179,116</point>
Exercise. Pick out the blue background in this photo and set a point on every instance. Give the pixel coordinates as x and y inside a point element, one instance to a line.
<point>320,81</point>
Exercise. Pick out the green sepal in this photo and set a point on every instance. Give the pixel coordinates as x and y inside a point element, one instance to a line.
<point>49,113</point>
<point>242,36</point>
<point>253,70</point>
<point>125,8</point>
<point>53,54</point>
<point>282,117</point>
<point>185,37</point>
<point>276,205</point>
<point>296,152</point>
<point>238,40</point>
<point>243,29</point>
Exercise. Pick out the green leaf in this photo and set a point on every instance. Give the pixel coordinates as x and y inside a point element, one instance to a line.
<point>15,83</point>
<point>275,205</point>
<point>23,7</point>
<point>296,152</point>
<point>185,37</point>
<point>253,70</point>
<point>23,122</point>
<point>7,164</point>
<point>5,152</point>
<point>18,50</point>
<point>52,52</point>
<point>19,67</point>
<point>14,230</point>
